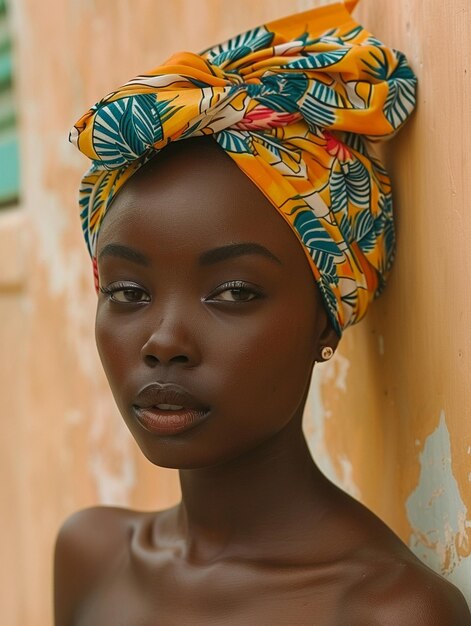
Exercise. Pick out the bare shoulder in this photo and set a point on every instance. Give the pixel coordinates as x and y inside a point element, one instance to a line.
<point>93,531</point>
<point>387,584</point>
<point>88,543</point>
<point>402,592</point>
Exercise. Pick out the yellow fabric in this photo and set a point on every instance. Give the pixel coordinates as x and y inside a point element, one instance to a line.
<point>290,102</point>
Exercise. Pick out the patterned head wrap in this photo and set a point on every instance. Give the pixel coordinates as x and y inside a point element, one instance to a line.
<point>288,102</point>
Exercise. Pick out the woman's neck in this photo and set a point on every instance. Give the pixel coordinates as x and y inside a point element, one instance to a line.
<point>256,505</point>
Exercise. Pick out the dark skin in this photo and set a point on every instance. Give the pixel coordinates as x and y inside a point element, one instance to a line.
<point>260,536</point>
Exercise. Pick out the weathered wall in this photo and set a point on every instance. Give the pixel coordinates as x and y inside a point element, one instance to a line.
<point>391,418</point>
<point>388,417</point>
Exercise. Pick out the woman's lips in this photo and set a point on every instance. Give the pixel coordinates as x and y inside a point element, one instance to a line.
<point>169,422</point>
<point>168,409</point>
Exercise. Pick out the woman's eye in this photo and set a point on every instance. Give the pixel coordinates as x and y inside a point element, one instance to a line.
<point>126,294</point>
<point>235,292</point>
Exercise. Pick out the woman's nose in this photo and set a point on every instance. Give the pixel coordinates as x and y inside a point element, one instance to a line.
<point>170,343</point>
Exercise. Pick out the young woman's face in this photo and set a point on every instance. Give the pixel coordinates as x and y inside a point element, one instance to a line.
<point>206,288</point>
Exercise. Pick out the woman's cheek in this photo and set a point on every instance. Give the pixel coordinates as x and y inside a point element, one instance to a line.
<point>269,365</point>
<point>113,344</point>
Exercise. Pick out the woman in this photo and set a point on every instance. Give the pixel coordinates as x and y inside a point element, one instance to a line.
<point>227,264</point>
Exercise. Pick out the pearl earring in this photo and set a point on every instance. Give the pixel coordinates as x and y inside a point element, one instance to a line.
<point>327,353</point>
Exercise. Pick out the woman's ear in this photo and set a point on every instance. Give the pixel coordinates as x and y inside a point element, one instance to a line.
<point>327,339</point>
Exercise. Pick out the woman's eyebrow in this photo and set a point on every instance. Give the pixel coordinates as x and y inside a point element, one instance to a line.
<point>233,250</point>
<point>124,252</point>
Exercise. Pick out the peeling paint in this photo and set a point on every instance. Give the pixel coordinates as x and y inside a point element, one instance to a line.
<point>335,371</point>
<point>111,462</point>
<point>113,487</point>
<point>331,373</point>
<point>50,224</point>
<point>67,270</point>
<point>437,514</point>
<point>346,479</point>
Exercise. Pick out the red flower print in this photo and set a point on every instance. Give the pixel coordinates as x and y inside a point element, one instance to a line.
<point>336,148</point>
<point>264,118</point>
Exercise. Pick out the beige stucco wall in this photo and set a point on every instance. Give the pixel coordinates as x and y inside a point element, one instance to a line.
<point>388,418</point>
<point>393,423</point>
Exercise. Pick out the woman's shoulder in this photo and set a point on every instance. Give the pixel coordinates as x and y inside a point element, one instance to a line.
<point>397,589</point>
<point>387,583</point>
<point>93,530</point>
<point>88,544</point>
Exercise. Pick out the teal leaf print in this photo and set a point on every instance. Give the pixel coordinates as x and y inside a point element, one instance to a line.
<point>303,39</point>
<point>384,224</point>
<point>364,231</point>
<point>320,103</point>
<point>316,113</point>
<point>390,244</point>
<point>232,141</point>
<point>338,191</point>
<point>240,46</point>
<point>339,203</point>
<point>400,101</point>
<point>325,94</point>
<point>358,185</point>
<point>329,298</point>
<point>129,130</point>
<point>378,66</point>
<point>145,119</point>
<point>379,223</point>
<point>318,60</point>
<point>279,93</point>
<point>373,41</point>
<point>125,129</point>
<point>314,234</point>
<point>92,201</point>
<point>403,70</point>
<point>231,55</point>
<point>345,228</point>
<point>352,34</point>
<point>352,184</point>
<point>356,142</point>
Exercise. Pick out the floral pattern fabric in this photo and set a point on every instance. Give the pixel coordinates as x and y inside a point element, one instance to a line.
<point>293,103</point>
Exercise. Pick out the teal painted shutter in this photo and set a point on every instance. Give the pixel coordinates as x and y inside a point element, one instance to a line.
<point>9,154</point>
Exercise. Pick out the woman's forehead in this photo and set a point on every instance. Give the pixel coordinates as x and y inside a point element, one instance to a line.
<point>192,173</point>
<point>192,193</point>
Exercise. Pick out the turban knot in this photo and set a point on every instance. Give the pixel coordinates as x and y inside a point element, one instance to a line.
<point>295,104</point>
